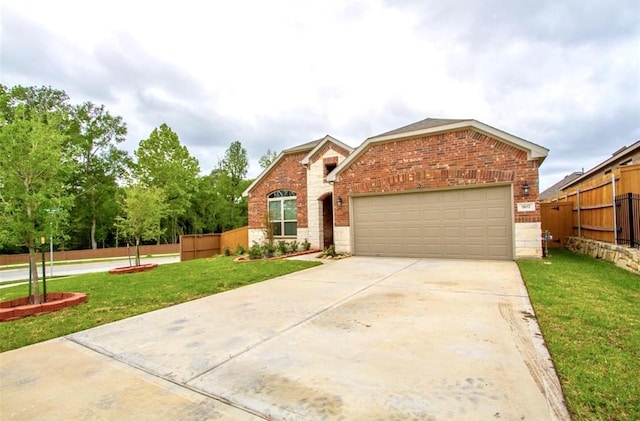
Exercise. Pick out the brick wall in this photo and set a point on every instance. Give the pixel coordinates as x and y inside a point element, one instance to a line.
<point>289,174</point>
<point>459,158</point>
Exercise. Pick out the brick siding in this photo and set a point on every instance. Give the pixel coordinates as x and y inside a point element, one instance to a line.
<point>288,174</point>
<point>460,158</point>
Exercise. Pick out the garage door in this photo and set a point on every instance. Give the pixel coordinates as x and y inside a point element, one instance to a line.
<point>460,224</point>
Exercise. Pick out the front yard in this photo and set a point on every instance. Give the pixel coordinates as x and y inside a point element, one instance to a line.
<point>115,297</point>
<point>589,313</point>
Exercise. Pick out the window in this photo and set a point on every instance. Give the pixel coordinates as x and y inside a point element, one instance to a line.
<point>283,213</point>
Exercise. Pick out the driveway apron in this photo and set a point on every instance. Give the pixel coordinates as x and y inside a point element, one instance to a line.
<point>359,338</point>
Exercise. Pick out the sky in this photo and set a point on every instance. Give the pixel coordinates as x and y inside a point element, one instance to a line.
<point>563,74</point>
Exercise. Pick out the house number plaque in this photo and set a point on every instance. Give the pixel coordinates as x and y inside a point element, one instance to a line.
<point>526,207</point>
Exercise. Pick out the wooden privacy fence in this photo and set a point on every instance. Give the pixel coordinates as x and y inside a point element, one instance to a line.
<point>13,259</point>
<point>198,246</point>
<point>597,208</point>
<point>235,238</point>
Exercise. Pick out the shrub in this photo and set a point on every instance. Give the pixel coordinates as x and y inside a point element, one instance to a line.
<point>283,247</point>
<point>227,251</point>
<point>330,251</point>
<point>255,252</point>
<point>268,249</point>
<point>240,249</point>
<point>294,246</point>
<point>306,245</point>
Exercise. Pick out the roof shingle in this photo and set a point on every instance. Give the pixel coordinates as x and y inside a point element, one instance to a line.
<point>427,123</point>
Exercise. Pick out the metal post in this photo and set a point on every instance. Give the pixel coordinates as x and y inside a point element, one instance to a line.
<point>632,234</point>
<point>615,222</point>
<point>579,222</point>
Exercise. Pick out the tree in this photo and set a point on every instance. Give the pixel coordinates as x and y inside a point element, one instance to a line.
<point>40,100</point>
<point>96,134</point>
<point>35,166</point>
<point>267,158</point>
<point>143,210</point>
<point>230,183</point>
<point>235,162</point>
<point>164,163</point>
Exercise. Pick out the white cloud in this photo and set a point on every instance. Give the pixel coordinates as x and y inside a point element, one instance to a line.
<point>273,74</point>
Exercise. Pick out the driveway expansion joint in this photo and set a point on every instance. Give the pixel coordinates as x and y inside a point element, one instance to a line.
<point>304,320</point>
<point>185,385</point>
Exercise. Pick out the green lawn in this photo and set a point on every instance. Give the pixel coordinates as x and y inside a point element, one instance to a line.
<point>115,297</point>
<point>589,313</point>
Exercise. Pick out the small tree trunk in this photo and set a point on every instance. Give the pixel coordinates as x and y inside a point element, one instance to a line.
<point>138,251</point>
<point>94,244</point>
<point>33,261</point>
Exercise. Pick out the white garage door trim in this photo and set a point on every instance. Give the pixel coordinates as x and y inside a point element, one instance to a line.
<point>465,223</point>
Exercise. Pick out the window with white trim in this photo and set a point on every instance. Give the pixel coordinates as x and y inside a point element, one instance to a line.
<point>283,213</point>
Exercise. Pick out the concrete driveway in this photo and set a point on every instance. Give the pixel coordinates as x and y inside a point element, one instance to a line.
<point>359,338</point>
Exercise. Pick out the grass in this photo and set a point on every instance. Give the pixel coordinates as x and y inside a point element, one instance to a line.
<point>115,297</point>
<point>589,313</point>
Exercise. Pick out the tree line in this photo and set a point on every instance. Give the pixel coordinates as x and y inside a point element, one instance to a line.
<point>64,175</point>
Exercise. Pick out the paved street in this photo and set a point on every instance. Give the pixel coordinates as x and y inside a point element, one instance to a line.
<point>79,268</point>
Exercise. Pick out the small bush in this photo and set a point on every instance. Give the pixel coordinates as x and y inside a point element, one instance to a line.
<point>240,250</point>
<point>330,251</point>
<point>268,249</point>
<point>227,251</point>
<point>255,252</point>
<point>294,246</point>
<point>283,247</point>
<point>306,245</point>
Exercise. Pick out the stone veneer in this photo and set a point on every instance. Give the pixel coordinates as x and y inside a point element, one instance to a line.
<point>625,257</point>
<point>528,239</point>
<point>317,188</point>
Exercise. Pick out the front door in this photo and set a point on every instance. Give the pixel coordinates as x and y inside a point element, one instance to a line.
<point>327,221</point>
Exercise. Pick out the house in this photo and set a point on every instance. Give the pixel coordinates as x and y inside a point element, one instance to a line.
<point>620,158</point>
<point>435,188</point>
<point>556,189</point>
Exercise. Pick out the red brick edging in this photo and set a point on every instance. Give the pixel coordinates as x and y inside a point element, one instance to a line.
<point>245,258</point>
<point>20,307</point>
<point>133,269</point>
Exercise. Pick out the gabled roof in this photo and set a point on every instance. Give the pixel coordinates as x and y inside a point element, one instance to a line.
<point>620,153</point>
<point>303,147</point>
<point>312,147</point>
<point>556,188</point>
<point>320,144</point>
<point>427,123</point>
<point>432,126</point>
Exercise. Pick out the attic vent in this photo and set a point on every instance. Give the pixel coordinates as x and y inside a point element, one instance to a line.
<point>329,167</point>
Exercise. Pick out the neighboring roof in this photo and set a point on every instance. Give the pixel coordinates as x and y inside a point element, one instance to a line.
<point>312,146</point>
<point>432,126</point>
<point>320,144</point>
<point>619,154</point>
<point>556,188</point>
